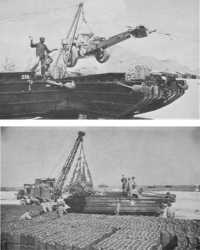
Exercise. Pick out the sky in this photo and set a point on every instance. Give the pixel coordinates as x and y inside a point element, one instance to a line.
<point>21,18</point>
<point>154,155</point>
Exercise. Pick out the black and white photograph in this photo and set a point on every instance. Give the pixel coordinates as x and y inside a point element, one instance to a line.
<point>100,188</point>
<point>99,59</point>
<point>99,125</point>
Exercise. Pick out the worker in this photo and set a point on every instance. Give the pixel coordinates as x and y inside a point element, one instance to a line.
<point>28,200</point>
<point>60,201</point>
<point>170,213</point>
<point>66,207</point>
<point>135,192</point>
<point>44,207</point>
<point>124,184</point>
<point>42,53</point>
<point>117,211</point>
<point>133,183</point>
<point>128,187</point>
<point>26,216</point>
<point>60,210</point>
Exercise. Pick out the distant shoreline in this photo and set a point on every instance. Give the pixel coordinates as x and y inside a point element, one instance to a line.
<point>185,188</point>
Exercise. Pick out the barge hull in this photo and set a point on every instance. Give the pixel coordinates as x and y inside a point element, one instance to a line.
<point>99,96</point>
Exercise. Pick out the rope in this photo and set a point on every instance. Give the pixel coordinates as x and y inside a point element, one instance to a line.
<point>85,21</point>
<point>88,170</point>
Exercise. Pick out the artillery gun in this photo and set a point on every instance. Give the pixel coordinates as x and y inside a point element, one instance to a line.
<point>81,45</point>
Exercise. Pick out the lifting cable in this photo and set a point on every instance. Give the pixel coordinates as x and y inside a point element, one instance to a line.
<point>74,26</point>
<point>85,21</point>
<point>88,170</point>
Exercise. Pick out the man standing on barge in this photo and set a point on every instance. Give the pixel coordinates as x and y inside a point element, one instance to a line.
<point>42,53</point>
<point>124,185</point>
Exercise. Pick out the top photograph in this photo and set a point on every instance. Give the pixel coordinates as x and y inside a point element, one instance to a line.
<point>99,59</point>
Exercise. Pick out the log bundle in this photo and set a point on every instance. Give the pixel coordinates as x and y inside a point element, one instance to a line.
<point>96,232</point>
<point>108,205</point>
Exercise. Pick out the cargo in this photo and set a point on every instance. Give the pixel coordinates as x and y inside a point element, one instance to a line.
<point>85,231</point>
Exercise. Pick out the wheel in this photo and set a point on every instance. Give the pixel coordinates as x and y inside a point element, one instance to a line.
<point>71,59</point>
<point>102,56</point>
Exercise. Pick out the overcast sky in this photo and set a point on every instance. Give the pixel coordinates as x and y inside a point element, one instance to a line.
<point>21,18</point>
<point>153,155</point>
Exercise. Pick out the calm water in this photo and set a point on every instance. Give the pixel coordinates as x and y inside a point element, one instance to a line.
<point>187,205</point>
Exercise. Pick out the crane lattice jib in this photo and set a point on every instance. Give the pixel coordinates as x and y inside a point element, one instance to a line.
<point>67,166</point>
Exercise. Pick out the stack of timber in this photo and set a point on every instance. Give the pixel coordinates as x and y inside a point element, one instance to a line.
<point>164,198</point>
<point>108,205</point>
<point>168,197</point>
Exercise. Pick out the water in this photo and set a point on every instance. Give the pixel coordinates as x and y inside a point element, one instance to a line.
<point>187,205</point>
<point>9,198</point>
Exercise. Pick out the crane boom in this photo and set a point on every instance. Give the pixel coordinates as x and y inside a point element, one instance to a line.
<point>67,166</point>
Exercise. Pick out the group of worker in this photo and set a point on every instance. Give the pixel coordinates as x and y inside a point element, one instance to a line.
<point>129,186</point>
<point>61,209</point>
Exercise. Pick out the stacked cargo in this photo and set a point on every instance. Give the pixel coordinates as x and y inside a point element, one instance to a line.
<point>95,232</point>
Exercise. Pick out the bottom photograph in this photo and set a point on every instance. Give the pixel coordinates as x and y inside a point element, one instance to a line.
<point>100,188</point>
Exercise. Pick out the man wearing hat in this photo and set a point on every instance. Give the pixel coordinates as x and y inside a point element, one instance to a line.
<point>133,190</point>
<point>42,53</point>
<point>133,183</point>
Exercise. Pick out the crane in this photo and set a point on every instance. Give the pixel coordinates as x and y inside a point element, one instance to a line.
<point>76,45</point>
<point>81,173</point>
